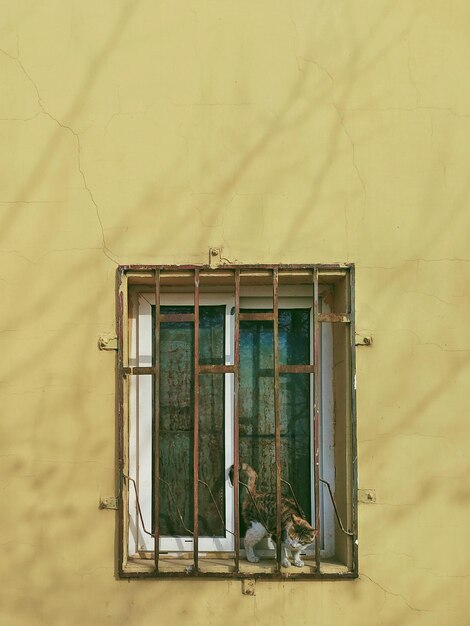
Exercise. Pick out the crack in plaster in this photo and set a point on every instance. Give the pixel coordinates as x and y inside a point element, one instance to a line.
<point>353,148</point>
<point>106,251</point>
<point>431,295</point>
<point>397,595</point>
<point>18,254</point>
<point>120,113</point>
<point>30,201</point>
<point>420,342</point>
<point>414,83</point>
<point>337,109</point>
<point>431,343</point>
<point>296,33</point>
<point>19,119</point>
<point>408,109</point>
<point>330,77</point>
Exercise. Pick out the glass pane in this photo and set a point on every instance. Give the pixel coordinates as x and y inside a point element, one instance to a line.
<point>177,420</point>
<point>211,423</point>
<point>256,412</point>
<point>212,335</point>
<point>295,437</point>
<point>294,336</point>
<point>176,424</point>
<point>211,455</point>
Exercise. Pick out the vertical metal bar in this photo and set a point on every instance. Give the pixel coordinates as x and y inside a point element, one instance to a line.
<point>352,348</point>
<point>156,417</point>
<point>121,304</point>
<point>277,415</point>
<point>196,423</point>
<point>236,451</point>
<point>316,414</point>
<point>134,381</point>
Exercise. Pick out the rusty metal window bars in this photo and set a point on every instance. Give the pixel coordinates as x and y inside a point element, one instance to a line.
<point>221,366</point>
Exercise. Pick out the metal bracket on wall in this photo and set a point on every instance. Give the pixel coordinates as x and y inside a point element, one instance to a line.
<point>109,502</point>
<point>363,341</point>
<point>248,587</point>
<point>366,496</point>
<point>215,259</point>
<point>107,342</point>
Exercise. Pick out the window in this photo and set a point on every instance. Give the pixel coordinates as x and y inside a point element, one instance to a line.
<point>224,366</point>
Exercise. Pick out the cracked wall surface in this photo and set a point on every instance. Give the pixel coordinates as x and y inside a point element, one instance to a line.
<point>300,132</point>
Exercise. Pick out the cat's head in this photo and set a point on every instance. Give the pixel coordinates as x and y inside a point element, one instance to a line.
<point>299,533</point>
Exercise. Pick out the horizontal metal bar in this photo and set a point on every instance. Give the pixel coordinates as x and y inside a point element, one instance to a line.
<point>296,369</point>
<point>259,266</point>
<point>333,317</point>
<point>139,371</point>
<point>255,317</point>
<point>203,369</point>
<point>190,573</point>
<point>216,369</point>
<point>176,317</point>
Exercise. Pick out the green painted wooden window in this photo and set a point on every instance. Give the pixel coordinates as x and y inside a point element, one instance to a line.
<point>256,416</point>
<point>176,422</point>
<point>257,440</point>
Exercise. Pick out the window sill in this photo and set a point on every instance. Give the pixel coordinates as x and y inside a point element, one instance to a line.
<point>220,566</point>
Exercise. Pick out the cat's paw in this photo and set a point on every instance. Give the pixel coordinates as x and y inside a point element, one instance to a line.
<point>299,563</point>
<point>285,563</point>
<point>253,558</point>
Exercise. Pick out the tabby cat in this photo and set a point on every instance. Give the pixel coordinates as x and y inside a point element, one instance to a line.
<point>259,514</point>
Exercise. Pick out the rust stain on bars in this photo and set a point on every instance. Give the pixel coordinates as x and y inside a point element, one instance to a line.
<point>277,417</point>
<point>333,317</point>
<point>231,266</point>
<point>245,317</point>
<point>316,415</point>
<point>196,421</point>
<point>236,452</point>
<point>156,417</point>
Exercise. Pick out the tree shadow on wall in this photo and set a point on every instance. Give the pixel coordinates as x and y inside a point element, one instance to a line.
<point>63,532</point>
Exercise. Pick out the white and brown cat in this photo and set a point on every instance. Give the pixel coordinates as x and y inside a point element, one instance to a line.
<point>259,514</point>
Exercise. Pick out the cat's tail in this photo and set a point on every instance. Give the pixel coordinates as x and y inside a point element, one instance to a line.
<point>251,474</point>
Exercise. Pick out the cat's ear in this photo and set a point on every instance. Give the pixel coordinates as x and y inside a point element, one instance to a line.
<point>296,519</point>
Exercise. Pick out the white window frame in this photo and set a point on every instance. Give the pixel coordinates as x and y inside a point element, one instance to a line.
<point>140,417</point>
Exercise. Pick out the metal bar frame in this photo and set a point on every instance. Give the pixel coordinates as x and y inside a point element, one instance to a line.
<point>196,424</point>
<point>236,433</point>
<point>241,266</point>
<point>277,417</point>
<point>352,385</point>
<point>256,317</point>
<point>203,369</point>
<point>122,326</point>
<point>316,415</point>
<point>156,418</point>
<point>124,370</point>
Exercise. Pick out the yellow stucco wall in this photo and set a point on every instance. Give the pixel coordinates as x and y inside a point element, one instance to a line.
<point>301,131</point>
